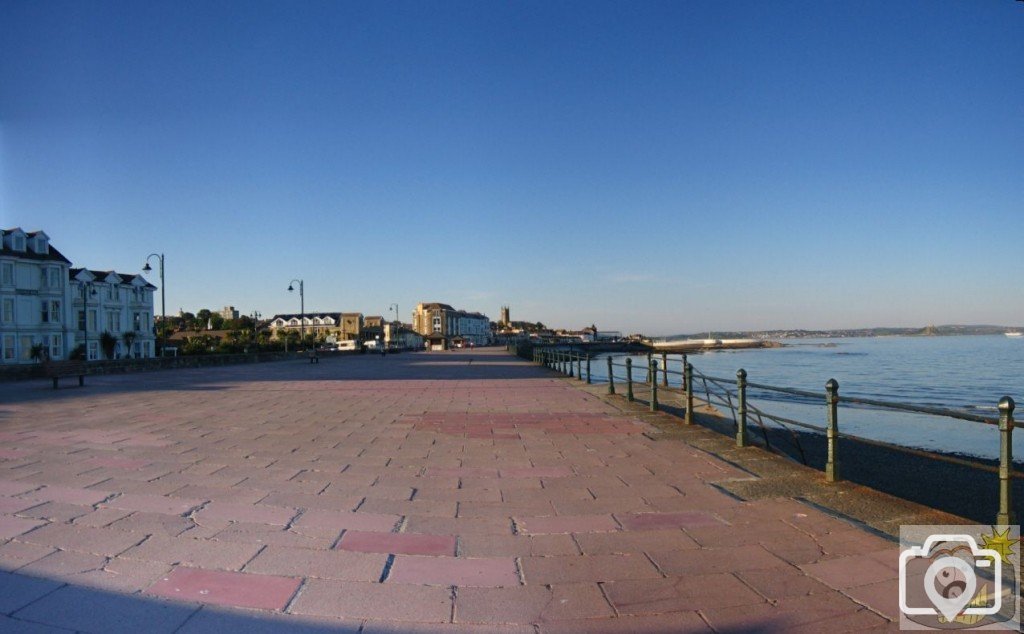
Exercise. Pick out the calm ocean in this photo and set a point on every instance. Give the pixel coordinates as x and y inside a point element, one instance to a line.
<point>967,373</point>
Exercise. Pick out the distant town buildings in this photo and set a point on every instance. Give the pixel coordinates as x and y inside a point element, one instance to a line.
<point>229,312</point>
<point>48,309</point>
<point>444,327</point>
<point>341,326</point>
<point>505,316</point>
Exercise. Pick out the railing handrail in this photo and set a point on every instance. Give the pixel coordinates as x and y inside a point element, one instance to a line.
<point>893,405</point>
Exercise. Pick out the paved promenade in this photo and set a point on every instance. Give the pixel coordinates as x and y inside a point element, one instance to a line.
<point>442,492</point>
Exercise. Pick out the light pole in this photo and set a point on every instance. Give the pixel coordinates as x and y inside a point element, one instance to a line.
<point>398,321</point>
<point>163,295</point>
<point>255,325</point>
<point>87,291</point>
<point>302,308</point>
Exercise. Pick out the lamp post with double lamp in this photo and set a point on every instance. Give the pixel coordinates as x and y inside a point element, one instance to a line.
<point>163,295</point>
<point>87,292</point>
<point>255,327</point>
<point>302,308</point>
<point>398,321</point>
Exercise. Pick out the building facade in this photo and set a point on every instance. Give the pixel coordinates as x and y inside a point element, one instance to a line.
<point>120,304</point>
<point>433,319</point>
<point>49,308</point>
<point>342,326</point>
<point>34,295</point>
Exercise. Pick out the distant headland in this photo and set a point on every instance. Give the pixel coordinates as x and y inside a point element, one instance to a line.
<point>799,333</point>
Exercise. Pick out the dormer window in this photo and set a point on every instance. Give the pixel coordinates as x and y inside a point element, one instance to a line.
<point>19,242</point>
<point>42,246</point>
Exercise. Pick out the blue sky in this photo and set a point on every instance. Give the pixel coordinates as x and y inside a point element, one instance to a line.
<point>658,167</point>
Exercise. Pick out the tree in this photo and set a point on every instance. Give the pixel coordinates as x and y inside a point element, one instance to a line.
<point>108,343</point>
<point>200,344</point>
<point>39,352</point>
<point>129,338</point>
<point>216,321</point>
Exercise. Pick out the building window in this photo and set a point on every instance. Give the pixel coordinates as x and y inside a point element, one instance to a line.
<point>56,346</point>
<point>50,311</point>
<point>7,273</point>
<point>50,277</point>
<point>137,321</point>
<point>9,350</point>
<point>26,347</point>
<point>112,292</point>
<point>19,243</point>
<point>8,310</point>
<point>114,320</point>
<point>94,350</point>
<point>437,324</point>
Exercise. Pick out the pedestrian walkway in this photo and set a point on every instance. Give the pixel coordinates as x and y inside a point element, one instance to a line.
<point>429,492</point>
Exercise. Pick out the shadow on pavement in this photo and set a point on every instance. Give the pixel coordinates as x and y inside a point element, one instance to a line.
<point>493,364</point>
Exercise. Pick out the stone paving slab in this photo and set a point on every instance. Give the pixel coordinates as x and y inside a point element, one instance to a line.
<point>464,491</point>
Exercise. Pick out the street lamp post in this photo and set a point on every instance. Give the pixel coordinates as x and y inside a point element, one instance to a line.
<point>87,291</point>
<point>255,324</point>
<point>398,321</point>
<point>302,308</point>
<point>163,295</point>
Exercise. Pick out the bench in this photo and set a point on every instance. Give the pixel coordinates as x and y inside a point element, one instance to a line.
<point>57,369</point>
<point>314,357</point>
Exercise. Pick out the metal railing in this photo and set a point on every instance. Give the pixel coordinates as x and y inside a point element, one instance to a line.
<point>732,394</point>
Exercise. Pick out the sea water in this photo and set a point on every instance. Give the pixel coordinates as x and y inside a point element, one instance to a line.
<point>967,373</point>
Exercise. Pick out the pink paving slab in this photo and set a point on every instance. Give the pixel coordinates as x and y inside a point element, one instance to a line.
<point>220,587</point>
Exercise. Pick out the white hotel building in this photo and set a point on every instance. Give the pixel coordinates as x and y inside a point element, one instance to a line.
<point>41,303</point>
<point>33,296</point>
<point>107,301</point>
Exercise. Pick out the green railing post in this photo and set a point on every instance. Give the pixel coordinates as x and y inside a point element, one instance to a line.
<point>629,379</point>
<point>569,357</point>
<point>654,386</point>
<point>1006,515</point>
<point>664,369</point>
<point>649,378</point>
<point>611,377</point>
<point>832,433</point>
<point>682,379</point>
<point>688,386</point>
<point>579,366</point>
<point>588,369</point>
<point>741,408</point>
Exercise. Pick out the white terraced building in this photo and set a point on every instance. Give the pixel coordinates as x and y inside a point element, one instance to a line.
<point>117,303</point>
<point>33,297</point>
<point>41,303</point>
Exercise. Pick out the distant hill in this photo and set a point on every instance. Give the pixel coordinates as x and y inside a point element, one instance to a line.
<point>926,331</point>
